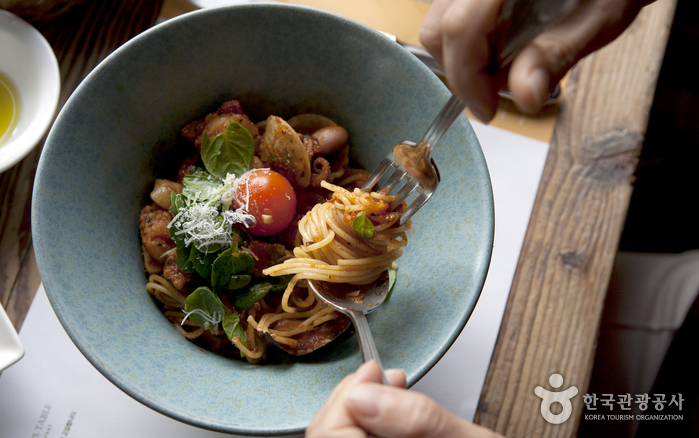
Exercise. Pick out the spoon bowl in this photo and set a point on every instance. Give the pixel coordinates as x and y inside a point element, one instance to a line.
<point>356,307</point>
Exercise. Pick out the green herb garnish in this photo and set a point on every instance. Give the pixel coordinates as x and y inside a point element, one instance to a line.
<point>233,328</point>
<point>252,295</point>
<point>231,151</point>
<point>229,264</point>
<point>363,226</point>
<point>204,308</point>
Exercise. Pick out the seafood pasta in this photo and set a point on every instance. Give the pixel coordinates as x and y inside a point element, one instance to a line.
<point>255,211</point>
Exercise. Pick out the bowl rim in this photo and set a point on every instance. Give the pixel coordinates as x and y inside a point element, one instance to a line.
<point>15,149</point>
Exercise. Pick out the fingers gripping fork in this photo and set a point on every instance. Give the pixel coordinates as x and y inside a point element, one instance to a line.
<point>519,21</point>
<point>412,164</point>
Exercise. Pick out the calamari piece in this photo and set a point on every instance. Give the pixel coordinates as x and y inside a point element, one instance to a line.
<point>217,123</point>
<point>321,171</point>
<point>284,152</point>
<point>162,190</point>
<point>309,123</point>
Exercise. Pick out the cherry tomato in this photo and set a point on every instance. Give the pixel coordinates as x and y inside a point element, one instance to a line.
<point>269,197</point>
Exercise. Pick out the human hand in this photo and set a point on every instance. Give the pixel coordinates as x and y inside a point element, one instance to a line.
<point>458,34</point>
<point>361,406</point>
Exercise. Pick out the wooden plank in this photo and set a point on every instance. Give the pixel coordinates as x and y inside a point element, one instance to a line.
<point>173,8</point>
<point>555,305</point>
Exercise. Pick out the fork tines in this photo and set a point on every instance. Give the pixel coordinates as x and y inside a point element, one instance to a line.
<point>411,186</point>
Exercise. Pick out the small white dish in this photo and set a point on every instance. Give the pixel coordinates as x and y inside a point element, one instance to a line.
<point>28,61</point>
<point>11,349</point>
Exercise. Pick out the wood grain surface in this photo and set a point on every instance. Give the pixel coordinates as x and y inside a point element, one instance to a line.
<point>553,313</point>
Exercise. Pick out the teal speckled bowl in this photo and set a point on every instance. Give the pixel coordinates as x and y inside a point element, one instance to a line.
<point>115,135</point>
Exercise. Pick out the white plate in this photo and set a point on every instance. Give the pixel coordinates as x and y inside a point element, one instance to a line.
<point>11,349</point>
<point>26,58</point>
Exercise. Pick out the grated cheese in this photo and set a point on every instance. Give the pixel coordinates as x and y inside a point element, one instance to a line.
<point>211,319</point>
<point>199,222</point>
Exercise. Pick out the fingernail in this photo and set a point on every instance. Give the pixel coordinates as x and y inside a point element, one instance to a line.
<point>364,399</point>
<point>539,83</point>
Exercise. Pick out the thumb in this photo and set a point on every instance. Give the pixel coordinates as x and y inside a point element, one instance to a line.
<point>542,64</point>
<point>388,412</point>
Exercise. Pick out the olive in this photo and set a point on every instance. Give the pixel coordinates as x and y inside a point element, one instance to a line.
<point>329,140</point>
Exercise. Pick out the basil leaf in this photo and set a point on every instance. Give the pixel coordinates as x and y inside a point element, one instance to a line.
<point>176,235</point>
<point>202,261</point>
<point>233,327</point>
<point>200,186</point>
<point>363,226</point>
<point>204,308</point>
<point>176,203</point>
<point>231,151</point>
<point>239,281</point>
<point>254,294</point>
<point>221,270</point>
<point>229,263</point>
<point>243,263</point>
<point>392,275</point>
<point>281,283</point>
<point>184,264</point>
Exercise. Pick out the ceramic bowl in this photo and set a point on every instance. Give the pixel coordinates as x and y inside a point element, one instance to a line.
<point>29,66</point>
<point>116,134</point>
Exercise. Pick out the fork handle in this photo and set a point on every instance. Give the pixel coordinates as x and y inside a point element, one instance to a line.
<point>443,121</point>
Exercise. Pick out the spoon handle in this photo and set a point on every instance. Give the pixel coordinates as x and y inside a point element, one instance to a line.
<point>366,340</point>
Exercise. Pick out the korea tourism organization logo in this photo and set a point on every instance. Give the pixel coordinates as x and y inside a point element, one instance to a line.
<point>563,398</point>
<point>557,406</point>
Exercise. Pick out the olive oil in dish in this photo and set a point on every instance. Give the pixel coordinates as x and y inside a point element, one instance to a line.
<point>9,108</point>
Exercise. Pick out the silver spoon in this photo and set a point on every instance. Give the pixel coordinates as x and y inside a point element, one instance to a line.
<point>356,309</point>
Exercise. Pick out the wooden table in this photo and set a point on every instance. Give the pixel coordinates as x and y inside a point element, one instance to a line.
<point>554,309</point>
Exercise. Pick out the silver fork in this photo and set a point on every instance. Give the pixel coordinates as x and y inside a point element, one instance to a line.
<point>519,22</point>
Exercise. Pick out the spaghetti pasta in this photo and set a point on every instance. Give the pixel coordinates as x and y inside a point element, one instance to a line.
<point>333,251</point>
